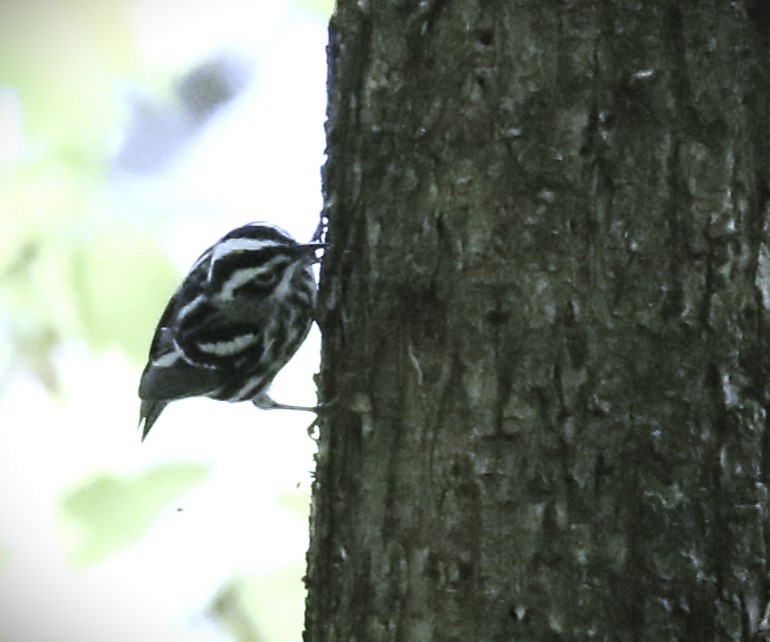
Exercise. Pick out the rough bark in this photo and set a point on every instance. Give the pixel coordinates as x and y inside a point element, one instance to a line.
<point>545,323</point>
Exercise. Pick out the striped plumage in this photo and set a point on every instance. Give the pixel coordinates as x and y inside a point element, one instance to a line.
<point>238,317</point>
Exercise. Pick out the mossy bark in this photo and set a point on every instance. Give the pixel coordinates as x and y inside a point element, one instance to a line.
<point>545,323</point>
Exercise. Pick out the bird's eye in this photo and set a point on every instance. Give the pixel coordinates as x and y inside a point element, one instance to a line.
<point>268,277</point>
<point>258,284</point>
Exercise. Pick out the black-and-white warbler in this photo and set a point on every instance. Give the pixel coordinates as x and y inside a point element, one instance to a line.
<point>240,314</point>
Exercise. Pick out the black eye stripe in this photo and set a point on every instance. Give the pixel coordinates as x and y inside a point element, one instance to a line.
<point>253,288</point>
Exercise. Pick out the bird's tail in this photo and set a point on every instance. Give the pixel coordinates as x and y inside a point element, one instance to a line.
<point>149,413</point>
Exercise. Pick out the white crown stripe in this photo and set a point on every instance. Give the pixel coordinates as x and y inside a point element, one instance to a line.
<point>244,245</point>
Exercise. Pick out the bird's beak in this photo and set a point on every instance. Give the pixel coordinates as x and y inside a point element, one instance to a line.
<point>313,247</point>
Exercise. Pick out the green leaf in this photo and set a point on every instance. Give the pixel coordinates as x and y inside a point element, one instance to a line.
<point>62,60</point>
<point>296,501</point>
<point>321,7</point>
<point>109,513</point>
<point>122,278</point>
<point>269,606</point>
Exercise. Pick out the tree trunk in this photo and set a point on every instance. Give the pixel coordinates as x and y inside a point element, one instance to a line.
<point>545,321</point>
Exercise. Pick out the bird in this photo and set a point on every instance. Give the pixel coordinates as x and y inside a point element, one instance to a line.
<point>239,315</point>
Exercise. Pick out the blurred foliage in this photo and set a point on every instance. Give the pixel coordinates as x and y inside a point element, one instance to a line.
<point>65,274</point>
<point>229,610</point>
<point>77,266</point>
<point>297,502</point>
<point>108,513</point>
<point>62,58</point>
<point>322,7</point>
<point>276,592</point>
<point>133,259</point>
<point>71,266</point>
<point>247,607</point>
<point>62,275</point>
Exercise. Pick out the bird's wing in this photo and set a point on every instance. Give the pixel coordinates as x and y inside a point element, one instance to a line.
<point>169,374</point>
<point>177,380</point>
<point>197,359</point>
